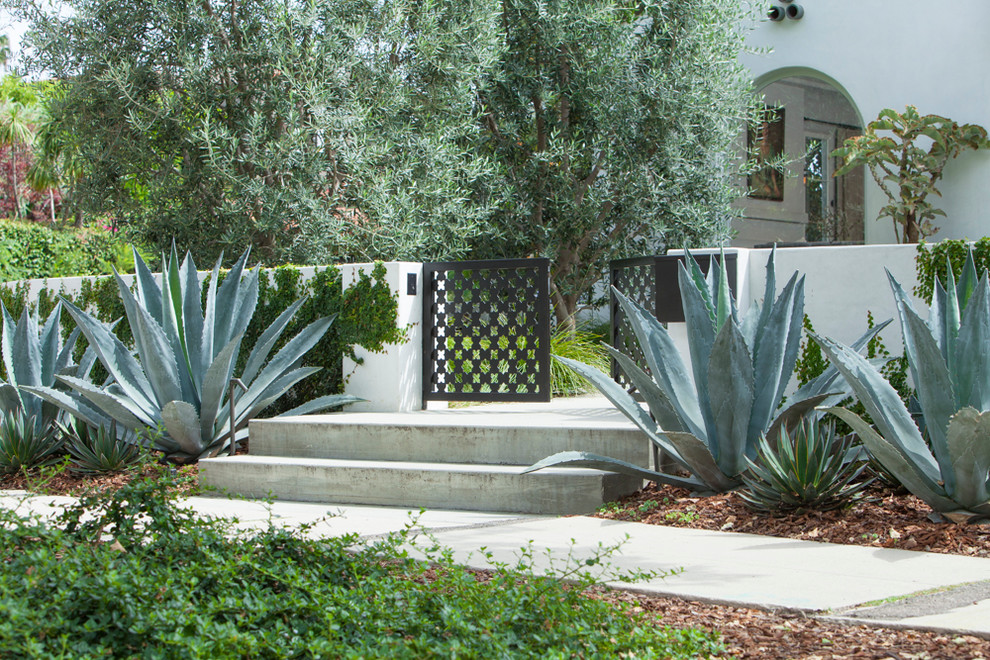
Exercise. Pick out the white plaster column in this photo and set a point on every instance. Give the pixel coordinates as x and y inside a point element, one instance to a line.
<point>390,381</point>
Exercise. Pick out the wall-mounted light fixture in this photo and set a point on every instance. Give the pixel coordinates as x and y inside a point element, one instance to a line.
<point>786,9</point>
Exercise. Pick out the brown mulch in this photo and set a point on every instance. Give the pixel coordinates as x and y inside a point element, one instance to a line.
<point>750,633</point>
<point>65,482</point>
<point>884,518</point>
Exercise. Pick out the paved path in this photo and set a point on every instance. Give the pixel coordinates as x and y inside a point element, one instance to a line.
<point>902,588</point>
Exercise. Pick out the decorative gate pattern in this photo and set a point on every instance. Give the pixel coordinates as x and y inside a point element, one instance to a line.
<point>486,330</point>
<point>651,282</point>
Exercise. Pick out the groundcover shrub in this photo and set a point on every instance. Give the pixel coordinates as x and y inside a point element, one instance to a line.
<point>167,584</point>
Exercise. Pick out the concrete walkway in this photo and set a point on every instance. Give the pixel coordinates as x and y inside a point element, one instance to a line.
<point>897,588</point>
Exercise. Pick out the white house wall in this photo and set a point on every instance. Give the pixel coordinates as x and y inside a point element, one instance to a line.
<point>889,54</point>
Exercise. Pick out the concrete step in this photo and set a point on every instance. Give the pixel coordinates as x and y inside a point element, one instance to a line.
<point>471,487</point>
<point>451,436</point>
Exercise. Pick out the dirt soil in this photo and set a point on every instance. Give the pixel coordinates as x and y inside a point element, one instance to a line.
<point>884,519</point>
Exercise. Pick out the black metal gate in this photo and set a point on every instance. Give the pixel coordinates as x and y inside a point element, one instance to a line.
<point>651,282</point>
<point>486,330</point>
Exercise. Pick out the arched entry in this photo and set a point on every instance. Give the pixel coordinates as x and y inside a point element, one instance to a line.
<point>793,197</point>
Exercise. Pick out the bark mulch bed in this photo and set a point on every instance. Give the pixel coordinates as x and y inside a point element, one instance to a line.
<point>883,518</point>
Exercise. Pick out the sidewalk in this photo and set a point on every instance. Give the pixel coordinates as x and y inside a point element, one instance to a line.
<point>904,588</point>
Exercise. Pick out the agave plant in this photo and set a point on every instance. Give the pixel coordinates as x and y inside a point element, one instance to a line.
<point>709,418</point>
<point>185,360</point>
<point>951,372</point>
<point>35,357</point>
<point>807,469</point>
<point>24,443</point>
<point>99,450</point>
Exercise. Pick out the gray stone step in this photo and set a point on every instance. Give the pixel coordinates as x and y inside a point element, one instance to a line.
<point>465,436</point>
<point>473,487</point>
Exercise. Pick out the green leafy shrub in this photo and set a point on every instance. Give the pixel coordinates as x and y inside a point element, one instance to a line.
<point>30,250</point>
<point>133,575</point>
<point>185,358</point>
<point>808,468</point>
<point>933,260</point>
<point>950,368</point>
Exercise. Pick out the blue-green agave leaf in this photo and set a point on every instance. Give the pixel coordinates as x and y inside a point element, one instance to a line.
<point>7,345</point>
<point>702,283</point>
<point>831,380</point>
<point>114,405</point>
<point>934,387</point>
<point>897,463</point>
<point>730,390</point>
<point>883,405</point>
<point>775,354</point>
<point>64,357</point>
<point>971,378</point>
<point>666,367</point>
<point>700,328</point>
<point>251,404</point>
<point>936,318</point>
<point>696,454</point>
<point>27,352</point>
<point>116,359</point>
<point>969,446</point>
<point>615,393</point>
<point>148,290</point>
<point>968,280</point>
<point>655,399</point>
<point>158,360</point>
<point>192,319</point>
<point>594,461</point>
<point>208,348</point>
<point>227,304</point>
<point>286,358</point>
<point>49,345</point>
<point>70,402</point>
<point>215,384</point>
<point>322,403</point>
<point>10,397</point>
<point>268,338</point>
<point>182,424</point>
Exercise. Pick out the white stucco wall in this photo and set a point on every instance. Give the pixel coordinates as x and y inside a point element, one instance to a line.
<point>889,54</point>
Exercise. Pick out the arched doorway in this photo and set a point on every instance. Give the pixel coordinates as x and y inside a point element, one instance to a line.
<point>794,197</point>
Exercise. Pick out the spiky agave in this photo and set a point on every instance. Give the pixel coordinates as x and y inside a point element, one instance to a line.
<point>708,418</point>
<point>950,367</point>
<point>36,357</point>
<point>185,359</point>
<point>807,469</point>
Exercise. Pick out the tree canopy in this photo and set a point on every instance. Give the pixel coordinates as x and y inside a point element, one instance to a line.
<point>580,130</point>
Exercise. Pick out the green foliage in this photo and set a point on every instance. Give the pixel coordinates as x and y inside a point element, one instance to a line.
<point>185,358</point>
<point>582,345</point>
<point>904,170</point>
<point>313,132</point>
<point>99,450</point>
<point>30,250</point>
<point>934,259</point>
<point>24,443</point>
<point>808,468</point>
<point>709,418</point>
<point>172,584</point>
<point>612,126</point>
<point>951,371</point>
